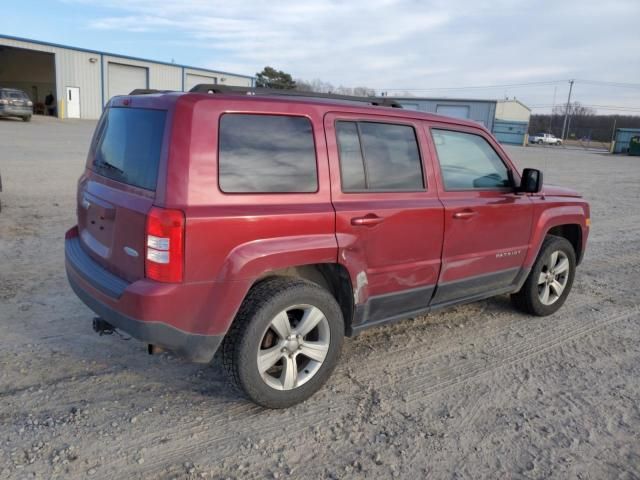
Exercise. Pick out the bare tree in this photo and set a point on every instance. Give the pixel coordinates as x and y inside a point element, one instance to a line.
<point>576,109</point>
<point>320,86</point>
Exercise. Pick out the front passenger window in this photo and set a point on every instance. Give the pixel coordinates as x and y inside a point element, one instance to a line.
<point>468,162</point>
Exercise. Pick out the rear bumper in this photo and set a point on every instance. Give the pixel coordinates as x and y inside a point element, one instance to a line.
<point>12,111</point>
<point>195,348</point>
<point>188,319</point>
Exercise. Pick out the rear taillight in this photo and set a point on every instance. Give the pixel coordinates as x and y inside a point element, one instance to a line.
<point>164,258</point>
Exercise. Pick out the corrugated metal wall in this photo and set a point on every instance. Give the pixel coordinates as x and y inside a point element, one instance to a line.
<point>72,69</point>
<point>512,133</point>
<point>222,78</point>
<point>482,111</point>
<point>88,71</point>
<point>512,110</point>
<point>160,77</point>
<point>623,137</point>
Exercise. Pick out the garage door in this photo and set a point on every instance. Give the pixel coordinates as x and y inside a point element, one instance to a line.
<point>192,80</point>
<point>124,78</point>
<point>456,111</point>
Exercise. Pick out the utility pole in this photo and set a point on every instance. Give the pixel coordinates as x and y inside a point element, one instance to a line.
<point>552,107</point>
<point>566,112</point>
<point>613,132</point>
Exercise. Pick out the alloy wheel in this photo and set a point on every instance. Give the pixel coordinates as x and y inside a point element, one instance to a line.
<point>553,278</point>
<point>293,347</point>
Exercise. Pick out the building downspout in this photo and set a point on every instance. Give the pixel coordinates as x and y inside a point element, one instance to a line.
<point>102,80</point>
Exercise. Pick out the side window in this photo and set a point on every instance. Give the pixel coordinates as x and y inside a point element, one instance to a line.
<point>468,162</point>
<point>378,157</point>
<point>266,154</point>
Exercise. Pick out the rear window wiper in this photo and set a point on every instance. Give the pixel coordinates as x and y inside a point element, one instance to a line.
<point>109,166</point>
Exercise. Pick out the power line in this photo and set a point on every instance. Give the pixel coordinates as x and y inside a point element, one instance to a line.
<point>477,87</point>
<point>517,85</point>
<point>602,107</point>
<point>610,84</point>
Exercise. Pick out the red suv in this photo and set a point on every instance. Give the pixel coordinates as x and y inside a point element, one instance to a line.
<point>269,227</point>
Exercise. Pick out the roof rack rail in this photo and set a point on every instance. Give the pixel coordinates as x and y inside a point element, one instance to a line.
<point>220,89</point>
<point>147,91</point>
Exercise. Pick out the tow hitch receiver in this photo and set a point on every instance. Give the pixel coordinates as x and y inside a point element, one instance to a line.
<point>102,327</point>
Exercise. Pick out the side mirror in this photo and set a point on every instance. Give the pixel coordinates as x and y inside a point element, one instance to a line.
<point>531,181</point>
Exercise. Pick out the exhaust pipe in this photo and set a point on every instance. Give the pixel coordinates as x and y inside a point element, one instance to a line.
<point>155,349</point>
<point>102,327</point>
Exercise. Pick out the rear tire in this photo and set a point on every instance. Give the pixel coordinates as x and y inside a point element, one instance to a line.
<point>550,279</point>
<point>27,118</point>
<point>279,323</point>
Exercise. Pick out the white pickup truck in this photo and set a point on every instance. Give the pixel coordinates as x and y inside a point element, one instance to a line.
<point>545,138</point>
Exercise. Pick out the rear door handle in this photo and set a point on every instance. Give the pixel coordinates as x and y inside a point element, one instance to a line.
<point>368,220</point>
<point>464,214</point>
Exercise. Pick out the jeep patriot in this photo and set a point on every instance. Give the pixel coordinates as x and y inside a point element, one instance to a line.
<point>268,227</point>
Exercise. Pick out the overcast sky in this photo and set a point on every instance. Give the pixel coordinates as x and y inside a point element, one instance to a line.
<point>383,44</point>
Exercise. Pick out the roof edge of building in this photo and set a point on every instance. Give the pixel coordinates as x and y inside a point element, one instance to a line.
<point>117,55</point>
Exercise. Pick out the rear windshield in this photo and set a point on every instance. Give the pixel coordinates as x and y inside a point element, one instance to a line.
<point>128,143</point>
<point>15,95</point>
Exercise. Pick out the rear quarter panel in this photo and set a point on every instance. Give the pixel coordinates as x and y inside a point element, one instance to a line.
<point>234,237</point>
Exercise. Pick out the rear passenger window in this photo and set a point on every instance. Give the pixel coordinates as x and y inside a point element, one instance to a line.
<point>266,154</point>
<point>379,157</point>
<point>468,162</point>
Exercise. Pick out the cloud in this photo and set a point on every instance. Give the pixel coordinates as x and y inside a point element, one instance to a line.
<point>403,44</point>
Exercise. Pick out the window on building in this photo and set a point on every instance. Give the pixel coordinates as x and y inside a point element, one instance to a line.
<point>378,156</point>
<point>468,162</point>
<point>266,154</point>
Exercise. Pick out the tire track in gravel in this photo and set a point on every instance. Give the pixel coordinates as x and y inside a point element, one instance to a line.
<point>457,374</point>
<point>522,329</point>
<point>537,348</point>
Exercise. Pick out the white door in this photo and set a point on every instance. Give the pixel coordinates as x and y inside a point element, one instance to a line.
<point>122,79</point>
<point>192,80</point>
<point>73,102</point>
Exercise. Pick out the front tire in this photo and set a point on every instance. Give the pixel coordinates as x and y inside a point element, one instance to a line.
<point>550,279</point>
<point>284,343</point>
<point>27,118</point>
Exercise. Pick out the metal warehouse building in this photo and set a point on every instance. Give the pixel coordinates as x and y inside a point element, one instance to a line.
<point>482,111</point>
<point>507,119</point>
<point>82,81</point>
<point>511,124</point>
<point>622,138</point>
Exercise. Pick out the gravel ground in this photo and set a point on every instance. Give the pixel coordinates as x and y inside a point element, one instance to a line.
<point>479,391</point>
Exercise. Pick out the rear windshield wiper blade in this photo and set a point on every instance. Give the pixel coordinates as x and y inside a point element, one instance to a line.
<point>109,166</point>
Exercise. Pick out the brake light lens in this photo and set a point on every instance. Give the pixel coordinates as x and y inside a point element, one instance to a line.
<point>164,259</point>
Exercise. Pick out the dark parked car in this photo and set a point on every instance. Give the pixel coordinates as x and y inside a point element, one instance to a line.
<point>15,103</point>
<point>269,227</point>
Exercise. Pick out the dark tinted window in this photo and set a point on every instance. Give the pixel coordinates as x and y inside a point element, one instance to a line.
<point>467,161</point>
<point>266,154</point>
<point>351,162</point>
<point>128,144</point>
<point>391,158</point>
<point>15,95</point>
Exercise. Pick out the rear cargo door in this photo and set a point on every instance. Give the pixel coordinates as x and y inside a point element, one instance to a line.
<point>118,188</point>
